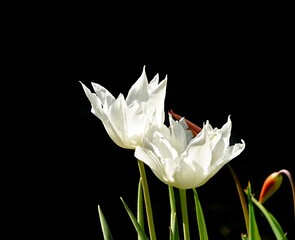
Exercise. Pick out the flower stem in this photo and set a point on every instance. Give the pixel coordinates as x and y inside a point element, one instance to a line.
<point>288,174</point>
<point>185,222</point>
<point>242,197</point>
<point>172,203</point>
<point>174,234</point>
<point>147,200</point>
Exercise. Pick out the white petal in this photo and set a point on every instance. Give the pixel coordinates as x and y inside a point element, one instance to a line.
<point>178,135</point>
<point>153,83</point>
<point>138,90</point>
<point>198,153</point>
<point>149,158</point>
<point>232,152</point>
<point>157,100</point>
<point>102,93</point>
<point>187,177</point>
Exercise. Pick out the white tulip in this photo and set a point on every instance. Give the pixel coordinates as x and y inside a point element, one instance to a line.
<point>127,120</point>
<point>180,159</point>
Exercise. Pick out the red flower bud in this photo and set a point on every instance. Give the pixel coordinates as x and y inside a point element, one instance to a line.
<point>270,186</point>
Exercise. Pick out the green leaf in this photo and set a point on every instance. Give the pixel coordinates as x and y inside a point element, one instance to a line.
<point>104,226</point>
<point>274,224</point>
<point>253,229</point>
<point>137,226</point>
<point>200,217</point>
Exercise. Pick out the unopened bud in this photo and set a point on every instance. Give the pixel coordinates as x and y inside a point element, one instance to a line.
<point>270,186</point>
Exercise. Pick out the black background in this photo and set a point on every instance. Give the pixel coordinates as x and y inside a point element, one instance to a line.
<point>59,162</point>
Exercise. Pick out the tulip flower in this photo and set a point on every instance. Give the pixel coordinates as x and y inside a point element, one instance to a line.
<point>127,120</point>
<point>180,159</point>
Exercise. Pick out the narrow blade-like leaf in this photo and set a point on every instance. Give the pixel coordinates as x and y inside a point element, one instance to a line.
<point>137,226</point>
<point>140,206</point>
<point>200,217</point>
<point>253,229</point>
<point>104,226</point>
<point>274,224</point>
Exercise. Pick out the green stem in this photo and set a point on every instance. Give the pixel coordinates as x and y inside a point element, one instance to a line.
<point>172,202</point>
<point>173,217</point>
<point>147,201</point>
<point>242,197</point>
<point>185,222</point>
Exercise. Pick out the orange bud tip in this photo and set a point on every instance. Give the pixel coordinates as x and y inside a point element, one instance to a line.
<point>271,184</point>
